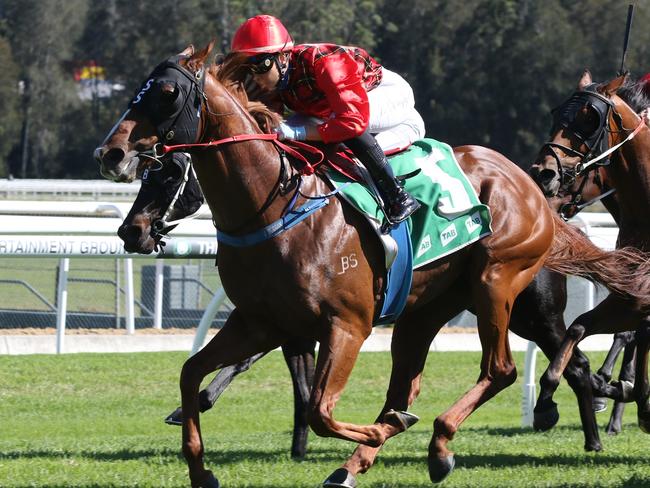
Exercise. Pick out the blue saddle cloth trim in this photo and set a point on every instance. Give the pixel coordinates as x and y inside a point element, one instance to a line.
<point>399,277</point>
<point>276,228</point>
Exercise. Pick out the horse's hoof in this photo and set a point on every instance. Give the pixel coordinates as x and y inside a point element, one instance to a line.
<point>440,468</point>
<point>401,419</point>
<point>175,418</point>
<point>341,478</point>
<point>594,447</point>
<point>546,420</point>
<point>210,482</point>
<point>599,404</point>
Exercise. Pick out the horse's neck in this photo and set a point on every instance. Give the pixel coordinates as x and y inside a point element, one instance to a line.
<point>629,173</point>
<point>239,178</point>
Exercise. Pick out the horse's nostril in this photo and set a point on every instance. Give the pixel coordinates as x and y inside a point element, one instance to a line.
<point>130,233</point>
<point>546,176</point>
<point>113,156</point>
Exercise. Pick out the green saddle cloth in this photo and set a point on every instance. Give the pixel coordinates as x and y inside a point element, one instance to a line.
<point>450,217</point>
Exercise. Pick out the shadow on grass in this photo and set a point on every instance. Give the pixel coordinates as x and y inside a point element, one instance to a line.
<point>633,482</point>
<point>231,456</point>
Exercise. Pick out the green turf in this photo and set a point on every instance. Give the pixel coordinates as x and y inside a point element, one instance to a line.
<point>96,420</point>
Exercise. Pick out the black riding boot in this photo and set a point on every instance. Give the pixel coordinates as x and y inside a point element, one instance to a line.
<point>398,204</point>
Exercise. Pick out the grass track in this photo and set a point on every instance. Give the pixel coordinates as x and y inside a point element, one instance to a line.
<point>95,420</point>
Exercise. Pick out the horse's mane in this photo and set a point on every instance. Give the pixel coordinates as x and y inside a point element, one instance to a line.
<point>632,92</point>
<point>232,71</point>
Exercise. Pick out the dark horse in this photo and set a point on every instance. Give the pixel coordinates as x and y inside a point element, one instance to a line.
<point>292,285</point>
<point>169,193</point>
<point>597,131</point>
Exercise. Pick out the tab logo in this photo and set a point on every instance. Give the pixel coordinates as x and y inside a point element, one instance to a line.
<point>425,245</point>
<point>448,234</point>
<point>473,222</point>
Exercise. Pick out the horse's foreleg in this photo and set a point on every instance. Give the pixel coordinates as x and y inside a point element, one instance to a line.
<point>209,396</point>
<point>411,339</point>
<point>641,386</point>
<point>621,340</point>
<point>221,381</point>
<point>601,379</point>
<point>625,377</point>
<point>337,355</point>
<point>236,341</point>
<point>599,320</point>
<point>538,316</point>
<point>578,377</point>
<point>299,356</point>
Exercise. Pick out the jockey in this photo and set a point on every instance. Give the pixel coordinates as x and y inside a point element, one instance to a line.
<point>338,94</point>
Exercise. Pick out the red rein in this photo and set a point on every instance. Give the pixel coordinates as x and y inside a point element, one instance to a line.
<point>307,169</point>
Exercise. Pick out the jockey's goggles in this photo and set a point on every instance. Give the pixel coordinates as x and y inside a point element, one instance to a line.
<point>262,64</point>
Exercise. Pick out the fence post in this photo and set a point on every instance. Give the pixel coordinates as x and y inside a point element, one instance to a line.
<point>61,303</point>
<point>529,391</point>
<point>158,294</point>
<point>129,299</point>
<point>206,319</point>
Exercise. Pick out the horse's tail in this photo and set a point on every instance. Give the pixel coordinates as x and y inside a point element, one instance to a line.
<point>625,271</point>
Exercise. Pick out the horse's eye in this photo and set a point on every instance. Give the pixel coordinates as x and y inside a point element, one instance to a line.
<point>168,92</point>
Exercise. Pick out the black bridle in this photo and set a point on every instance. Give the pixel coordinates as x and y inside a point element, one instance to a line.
<point>596,143</point>
<point>181,124</point>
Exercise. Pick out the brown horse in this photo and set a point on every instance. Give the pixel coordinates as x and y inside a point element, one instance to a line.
<point>293,284</point>
<point>597,134</point>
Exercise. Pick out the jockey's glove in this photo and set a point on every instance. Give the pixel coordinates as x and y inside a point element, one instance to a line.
<point>295,132</point>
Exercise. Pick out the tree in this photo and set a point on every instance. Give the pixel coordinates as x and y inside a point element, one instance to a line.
<point>11,120</point>
<point>41,37</point>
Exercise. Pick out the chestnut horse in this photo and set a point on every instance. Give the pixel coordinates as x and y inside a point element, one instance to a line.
<point>171,193</point>
<point>292,284</point>
<point>597,133</point>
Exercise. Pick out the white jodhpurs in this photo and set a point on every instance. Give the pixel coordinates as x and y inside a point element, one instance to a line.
<point>393,119</point>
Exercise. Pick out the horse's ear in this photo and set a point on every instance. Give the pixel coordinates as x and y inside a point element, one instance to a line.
<point>187,52</point>
<point>198,59</point>
<point>585,80</point>
<point>609,89</point>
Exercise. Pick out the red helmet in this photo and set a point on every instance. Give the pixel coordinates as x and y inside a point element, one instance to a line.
<point>261,34</point>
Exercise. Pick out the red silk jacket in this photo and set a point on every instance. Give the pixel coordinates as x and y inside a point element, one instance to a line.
<point>331,82</point>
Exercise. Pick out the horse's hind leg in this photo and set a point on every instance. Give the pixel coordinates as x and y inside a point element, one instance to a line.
<point>411,339</point>
<point>493,305</point>
<point>641,386</point>
<point>209,396</point>
<point>236,341</point>
<point>299,355</point>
